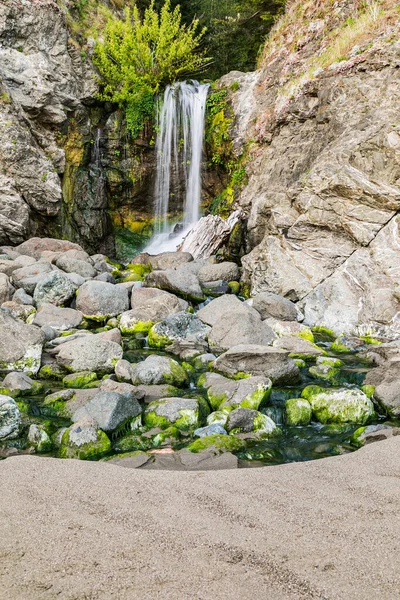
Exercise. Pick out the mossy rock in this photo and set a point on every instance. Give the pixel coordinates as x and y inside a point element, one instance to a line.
<point>80,380</point>
<point>158,341</point>
<point>298,411</point>
<point>84,443</point>
<point>137,327</point>
<point>234,287</point>
<point>339,405</point>
<point>221,443</point>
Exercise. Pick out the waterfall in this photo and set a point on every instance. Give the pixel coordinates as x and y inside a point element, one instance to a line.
<point>179,146</point>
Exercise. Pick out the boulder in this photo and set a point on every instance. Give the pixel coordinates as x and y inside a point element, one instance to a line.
<point>5,288</point>
<point>83,441</point>
<point>54,288</point>
<point>89,353</point>
<point>35,246</point>
<point>179,327</point>
<point>81,379</point>
<point>155,304</point>
<point>9,418</point>
<point>159,370</point>
<point>298,411</point>
<point>60,319</point>
<point>258,360</point>
<point>100,300</point>
<point>386,380</point>
<point>28,277</point>
<point>234,329</point>
<point>339,405</point>
<point>20,346</point>
<point>19,384</point>
<point>120,387</point>
<point>178,282</point>
<point>186,414</point>
<point>245,420</point>
<point>39,439</point>
<point>21,297</point>
<point>273,305</point>
<point>222,392</point>
<point>168,260</point>
<point>225,271</point>
<point>72,265</point>
<point>217,309</point>
<point>109,410</point>
<point>298,347</point>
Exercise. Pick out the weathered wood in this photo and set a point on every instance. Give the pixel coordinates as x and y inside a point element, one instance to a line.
<point>208,235</point>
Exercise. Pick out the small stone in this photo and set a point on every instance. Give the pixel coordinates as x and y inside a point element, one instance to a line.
<point>214,428</point>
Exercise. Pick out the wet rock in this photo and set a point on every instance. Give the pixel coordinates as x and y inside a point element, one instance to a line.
<point>371,434</point>
<point>60,319</point>
<point>258,360</point>
<point>222,392</point>
<point>225,271</point>
<point>39,439</point>
<point>298,411</point>
<point>186,414</point>
<point>178,282</point>
<point>203,360</point>
<point>54,288</point>
<point>179,327</point>
<point>217,444</point>
<point>129,460</point>
<point>339,405</point>
<point>245,420</point>
<point>213,429</point>
<point>72,265</point>
<point>101,300</point>
<point>215,288</point>
<point>157,392</point>
<point>386,380</point>
<point>19,384</point>
<point>83,441</point>
<point>81,379</point>
<point>20,346</point>
<point>89,353</point>
<point>159,370</point>
<point>9,418</point>
<point>273,305</point>
<point>109,410</point>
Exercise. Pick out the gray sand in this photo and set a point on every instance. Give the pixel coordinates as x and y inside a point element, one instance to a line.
<point>323,529</point>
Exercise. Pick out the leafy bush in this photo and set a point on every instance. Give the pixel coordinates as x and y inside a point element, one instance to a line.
<point>138,55</point>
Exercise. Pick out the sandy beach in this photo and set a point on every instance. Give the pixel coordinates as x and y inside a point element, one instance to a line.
<point>325,529</point>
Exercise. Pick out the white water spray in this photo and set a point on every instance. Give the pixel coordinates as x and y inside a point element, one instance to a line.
<point>179,153</point>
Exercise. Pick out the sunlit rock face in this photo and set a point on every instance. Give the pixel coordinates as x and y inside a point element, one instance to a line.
<point>324,172</point>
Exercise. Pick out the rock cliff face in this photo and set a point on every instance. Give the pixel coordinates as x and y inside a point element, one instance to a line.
<point>323,193</point>
<point>67,166</point>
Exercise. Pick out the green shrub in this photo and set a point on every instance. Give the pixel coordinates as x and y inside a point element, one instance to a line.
<point>138,55</point>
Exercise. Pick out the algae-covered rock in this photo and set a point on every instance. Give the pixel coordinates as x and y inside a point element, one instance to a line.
<point>244,420</point>
<point>52,371</point>
<point>219,417</point>
<point>186,414</point>
<point>20,346</point>
<point>109,410</point>
<point>327,369</point>
<point>298,411</point>
<point>179,327</point>
<point>39,439</point>
<point>339,405</point>
<point>159,370</point>
<point>84,441</point>
<point>10,418</point>
<point>19,384</point>
<point>250,392</point>
<point>80,380</point>
<point>217,443</point>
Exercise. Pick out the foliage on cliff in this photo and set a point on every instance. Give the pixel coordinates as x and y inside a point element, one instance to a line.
<point>138,55</point>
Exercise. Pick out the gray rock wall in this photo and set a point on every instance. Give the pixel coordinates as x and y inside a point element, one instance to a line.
<point>324,173</point>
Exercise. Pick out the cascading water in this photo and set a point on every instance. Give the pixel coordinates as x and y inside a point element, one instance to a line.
<point>179,153</point>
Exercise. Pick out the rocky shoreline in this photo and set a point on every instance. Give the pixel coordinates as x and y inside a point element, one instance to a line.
<point>163,363</point>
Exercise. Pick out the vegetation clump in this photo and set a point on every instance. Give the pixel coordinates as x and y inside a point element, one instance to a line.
<point>138,55</point>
